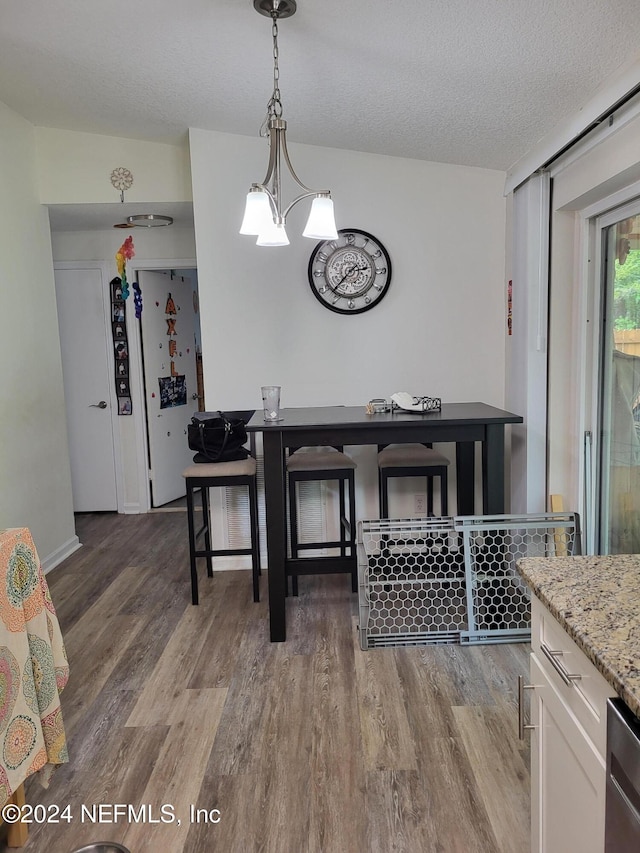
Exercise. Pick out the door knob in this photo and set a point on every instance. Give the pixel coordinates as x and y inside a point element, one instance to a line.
<point>194,396</point>
<point>101,405</point>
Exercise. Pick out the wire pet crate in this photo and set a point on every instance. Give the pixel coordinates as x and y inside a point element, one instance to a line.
<point>453,580</point>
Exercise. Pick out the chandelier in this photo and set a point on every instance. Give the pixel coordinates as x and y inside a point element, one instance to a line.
<point>265,215</point>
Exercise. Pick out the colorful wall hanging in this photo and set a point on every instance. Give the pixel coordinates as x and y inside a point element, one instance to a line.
<point>120,347</point>
<point>124,254</point>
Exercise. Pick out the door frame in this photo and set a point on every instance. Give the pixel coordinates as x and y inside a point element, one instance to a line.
<point>135,361</point>
<point>598,390</point>
<point>104,269</point>
<point>591,222</point>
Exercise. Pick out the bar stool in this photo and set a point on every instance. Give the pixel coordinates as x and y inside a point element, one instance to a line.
<point>327,463</point>
<point>412,460</point>
<point>202,477</point>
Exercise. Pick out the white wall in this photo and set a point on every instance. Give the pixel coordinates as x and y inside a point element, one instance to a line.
<point>167,242</point>
<point>35,481</point>
<point>75,168</point>
<point>440,329</point>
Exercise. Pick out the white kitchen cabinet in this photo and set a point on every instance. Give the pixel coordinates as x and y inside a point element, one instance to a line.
<point>567,776</point>
<point>568,742</point>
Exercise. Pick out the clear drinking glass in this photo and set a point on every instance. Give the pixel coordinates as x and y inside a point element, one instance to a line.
<point>271,402</point>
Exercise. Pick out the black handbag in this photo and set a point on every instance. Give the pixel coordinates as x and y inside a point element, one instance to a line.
<point>218,439</point>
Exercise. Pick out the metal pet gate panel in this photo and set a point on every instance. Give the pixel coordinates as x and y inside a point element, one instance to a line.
<point>411,582</point>
<point>453,580</point>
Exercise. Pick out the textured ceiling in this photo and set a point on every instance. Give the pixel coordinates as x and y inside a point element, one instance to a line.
<point>475,82</point>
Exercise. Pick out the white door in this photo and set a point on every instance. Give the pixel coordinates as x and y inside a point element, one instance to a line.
<point>169,357</point>
<point>87,367</point>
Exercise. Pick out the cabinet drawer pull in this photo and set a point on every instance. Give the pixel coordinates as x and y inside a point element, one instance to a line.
<point>522,726</point>
<point>553,656</point>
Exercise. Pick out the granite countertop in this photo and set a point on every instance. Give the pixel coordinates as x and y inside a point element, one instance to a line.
<point>597,602</point>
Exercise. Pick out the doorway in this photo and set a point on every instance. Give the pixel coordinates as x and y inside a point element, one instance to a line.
<point>111,468</point>
<point>170,346</point>
<point>618,451</point>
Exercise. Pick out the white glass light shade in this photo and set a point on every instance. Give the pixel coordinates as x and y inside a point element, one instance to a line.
<point>321,224</point>
<point>272,235</point>
<point>257,213</point>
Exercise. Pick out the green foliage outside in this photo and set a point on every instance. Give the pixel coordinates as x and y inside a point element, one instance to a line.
<point>626,292</point>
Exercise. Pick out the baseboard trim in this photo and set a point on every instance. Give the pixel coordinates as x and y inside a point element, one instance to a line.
<point>56,557</point>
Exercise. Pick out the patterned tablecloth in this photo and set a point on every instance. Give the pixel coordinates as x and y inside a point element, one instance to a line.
<point>33,668</point>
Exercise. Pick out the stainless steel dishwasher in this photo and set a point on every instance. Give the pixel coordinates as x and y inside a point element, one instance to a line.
<point>622,815</point>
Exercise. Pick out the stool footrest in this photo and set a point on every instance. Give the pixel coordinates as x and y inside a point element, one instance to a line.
<point>310,546</point>
<point>321,565</point>
<point>224,552</point>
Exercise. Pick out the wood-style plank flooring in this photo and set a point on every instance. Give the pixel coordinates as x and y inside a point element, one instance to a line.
<point>308,746</point>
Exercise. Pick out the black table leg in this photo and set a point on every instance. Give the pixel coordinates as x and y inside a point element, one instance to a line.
<point>465,477</point>
<point>274,495</point>
<point>493,470</point>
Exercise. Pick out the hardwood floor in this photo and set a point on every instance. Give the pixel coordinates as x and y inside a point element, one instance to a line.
<point>308,746</point>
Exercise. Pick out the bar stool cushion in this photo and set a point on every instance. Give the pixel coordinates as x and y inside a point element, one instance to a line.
<point>326,459</point>
<point>240,468</point>
<point>410,456</point>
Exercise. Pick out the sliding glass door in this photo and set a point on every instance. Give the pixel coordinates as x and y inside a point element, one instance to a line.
<point>618,500</point>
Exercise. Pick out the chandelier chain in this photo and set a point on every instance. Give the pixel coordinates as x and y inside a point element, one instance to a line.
<point>274,106</point>
<point>276,68</point>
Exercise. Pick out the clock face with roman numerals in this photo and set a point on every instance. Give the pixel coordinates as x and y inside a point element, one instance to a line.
<point>351,274</point>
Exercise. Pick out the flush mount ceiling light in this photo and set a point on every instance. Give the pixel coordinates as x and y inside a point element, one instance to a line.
<point>264,215</point>
<point>149,220</point>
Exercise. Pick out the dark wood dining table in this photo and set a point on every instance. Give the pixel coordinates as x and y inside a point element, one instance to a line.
<point>461,423</point>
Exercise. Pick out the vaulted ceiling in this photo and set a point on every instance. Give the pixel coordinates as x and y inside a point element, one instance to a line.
<point>474,82</point>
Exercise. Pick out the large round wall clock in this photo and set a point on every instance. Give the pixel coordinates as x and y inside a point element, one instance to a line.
<point>351,274</point>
